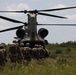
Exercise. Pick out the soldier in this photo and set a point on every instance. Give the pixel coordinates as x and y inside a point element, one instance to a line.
<point>41,49</point>
<point>20,54</point>
<point>47,53</point>
<point>13,54</point>
<point>35,52</point>
<point>27,53</point>
<point>3,56</point>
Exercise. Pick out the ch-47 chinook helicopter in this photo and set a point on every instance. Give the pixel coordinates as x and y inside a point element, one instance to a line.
<point>29,33</point>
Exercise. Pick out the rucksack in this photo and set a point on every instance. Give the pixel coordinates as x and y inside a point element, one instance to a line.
<point>1,53</point>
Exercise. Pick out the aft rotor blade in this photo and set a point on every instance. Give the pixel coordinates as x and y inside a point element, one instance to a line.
<point>56,9</point>
<point>11,29</point>
<point>12,20</point>
<point>58,24</point>
<point>52,15</point>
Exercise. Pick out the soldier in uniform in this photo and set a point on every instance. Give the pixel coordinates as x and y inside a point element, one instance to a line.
<point>41,50</point>
<point>35,52</point>
<point>3,56</point>
<point>27,53</point>
<point>20,54</point>
<point>13,53</point>
<point>47,53</point>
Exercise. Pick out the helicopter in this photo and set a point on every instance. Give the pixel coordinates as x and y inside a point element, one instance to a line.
<point>29,34</point>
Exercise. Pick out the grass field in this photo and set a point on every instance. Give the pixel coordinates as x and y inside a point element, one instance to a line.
<point>63,63</point>
<point>48,66</point>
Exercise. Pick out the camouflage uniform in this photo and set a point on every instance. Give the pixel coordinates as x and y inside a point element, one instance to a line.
<point>47,53</point>
<point>27,52</point>
<point>3,56</point>
<point>13,53</point>
<point>42,52</point>
<point>20,53</point>
<point>35,52</point>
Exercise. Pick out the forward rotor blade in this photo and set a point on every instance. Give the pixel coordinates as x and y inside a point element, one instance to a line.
<point>12,20</point>
<point>24,11</point>
<point>56,9</point>
<point>12,11</point>
<point>52,15</point>
<point>11,28</point>
<point>58,24</point>
<point>36,11</point>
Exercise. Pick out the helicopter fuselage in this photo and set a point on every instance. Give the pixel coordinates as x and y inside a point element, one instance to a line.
<point>31,36</point>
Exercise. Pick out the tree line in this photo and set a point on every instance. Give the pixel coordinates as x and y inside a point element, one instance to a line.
<point>65,44</point>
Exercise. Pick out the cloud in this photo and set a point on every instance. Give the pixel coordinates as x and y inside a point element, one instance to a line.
<point>36,0</point>
<point>21,6</point>
<point>15,7</point>
<point>42,19</point>
<point>59,6</point>
<point>71,17</point>
<point>3,26</point>
<point>70,37</point>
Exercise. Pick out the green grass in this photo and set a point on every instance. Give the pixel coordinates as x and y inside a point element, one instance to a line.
<point>48,66</point>
<point>63,64</point>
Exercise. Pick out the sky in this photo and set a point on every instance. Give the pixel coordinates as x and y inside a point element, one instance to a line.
<point>57,34</point>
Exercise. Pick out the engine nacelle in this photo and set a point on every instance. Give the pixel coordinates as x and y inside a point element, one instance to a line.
<point>43,32</point>
<point>20,33</point>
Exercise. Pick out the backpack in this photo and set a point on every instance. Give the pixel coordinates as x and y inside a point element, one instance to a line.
<point>13,50</point>
<point>1,53</point>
